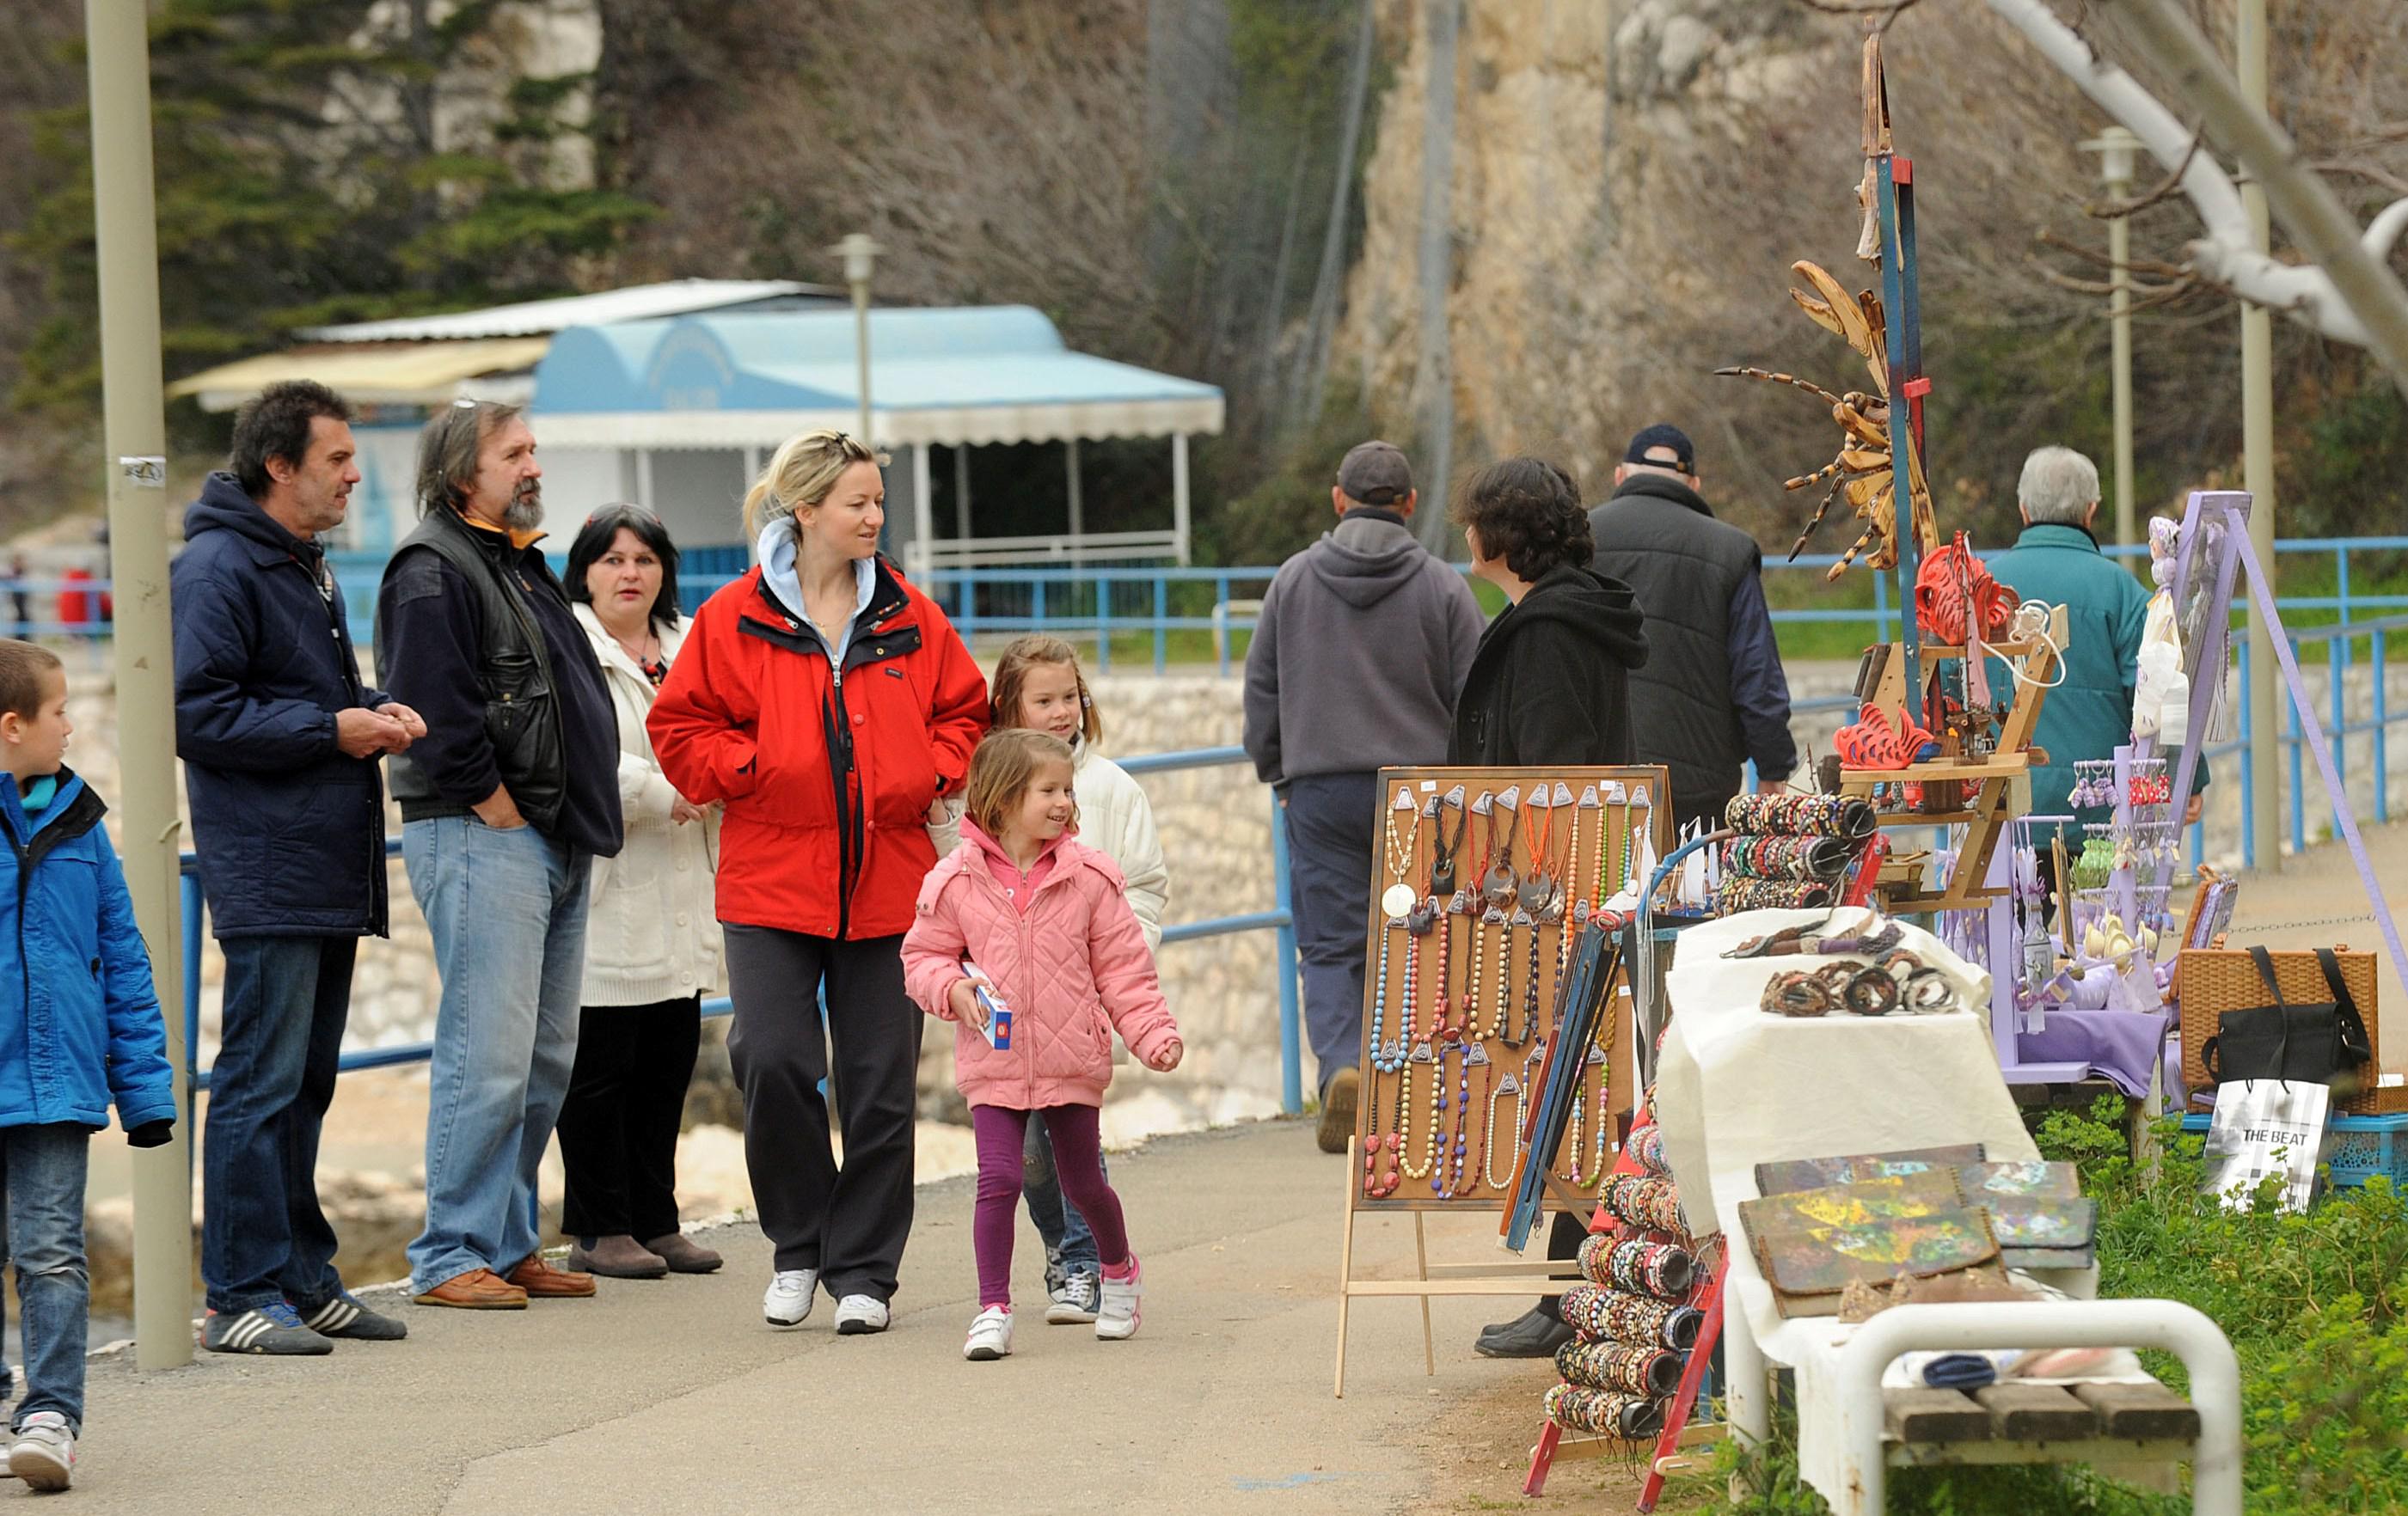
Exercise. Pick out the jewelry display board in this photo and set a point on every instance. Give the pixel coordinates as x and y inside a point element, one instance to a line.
<point>1459,1005</point>
<point>1484,879</point>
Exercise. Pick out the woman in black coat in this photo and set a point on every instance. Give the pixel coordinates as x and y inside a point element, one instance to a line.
<point>1549,688</point>
<point>1549,685</point>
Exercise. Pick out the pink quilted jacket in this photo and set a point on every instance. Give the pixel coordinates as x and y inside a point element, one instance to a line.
<point>1072,968</point>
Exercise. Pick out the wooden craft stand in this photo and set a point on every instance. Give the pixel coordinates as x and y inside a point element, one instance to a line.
<point>1608,1093</point>
<point>1997,787</point>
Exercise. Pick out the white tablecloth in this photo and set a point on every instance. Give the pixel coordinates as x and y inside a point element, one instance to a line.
<point>1737,1087</point>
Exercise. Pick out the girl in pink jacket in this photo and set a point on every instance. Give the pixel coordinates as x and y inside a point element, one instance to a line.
<point>1044,919</point>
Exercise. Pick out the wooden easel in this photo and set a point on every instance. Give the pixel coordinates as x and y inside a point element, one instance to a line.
<point>1499,1276</point>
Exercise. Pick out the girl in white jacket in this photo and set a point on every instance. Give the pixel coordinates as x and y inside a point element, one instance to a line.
<point>1038,684</point>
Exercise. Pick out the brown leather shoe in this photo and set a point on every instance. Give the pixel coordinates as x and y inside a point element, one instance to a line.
<point>542,1281</point>
<point>618,1257</point>
<point>479,1288</point>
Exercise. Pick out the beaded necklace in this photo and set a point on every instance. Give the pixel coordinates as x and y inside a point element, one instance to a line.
<point>1502,1014</point>
<point>1465,900</point>
<point>1438,1111</point>
<point>1508,1085</point>
<point>1578,1173</point>
<point>1448,1182</point>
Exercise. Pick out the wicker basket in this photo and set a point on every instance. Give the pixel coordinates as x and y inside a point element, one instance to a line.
<point>2211,981</point>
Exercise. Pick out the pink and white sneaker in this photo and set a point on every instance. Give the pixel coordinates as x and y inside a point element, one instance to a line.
<point>1117,1317</point>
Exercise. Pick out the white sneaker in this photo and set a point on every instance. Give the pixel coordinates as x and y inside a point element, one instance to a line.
<point>990,1335</point>
<point>859,1314</point>
<point>1074,1300</point>
<point>43,1455</point>
<point>1116,1319</point>
<point>790,1295</point>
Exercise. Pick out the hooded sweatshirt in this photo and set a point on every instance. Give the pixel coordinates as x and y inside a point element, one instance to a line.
<point>1549,685</point>
<point>1364,640</point>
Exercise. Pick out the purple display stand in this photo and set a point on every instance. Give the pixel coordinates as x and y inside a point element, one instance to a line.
<point>2224,515</point>
<point>2006,956</point>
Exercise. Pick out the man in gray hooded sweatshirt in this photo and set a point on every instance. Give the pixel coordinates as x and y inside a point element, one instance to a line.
<point>1362,645</point>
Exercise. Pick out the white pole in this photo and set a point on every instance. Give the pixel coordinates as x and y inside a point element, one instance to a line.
<point>860,255</point>
<point>1179,493</point>
<point>923,512</point>
<point>1078,504</point>
<point>962,492</point>
<point>125,233</point>
<point>2257,475</point>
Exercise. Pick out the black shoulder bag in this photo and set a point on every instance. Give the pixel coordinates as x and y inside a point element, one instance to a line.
<point>2316,1044</point>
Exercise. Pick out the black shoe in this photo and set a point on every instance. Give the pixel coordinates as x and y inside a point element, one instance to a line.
<point>1534,1334</point>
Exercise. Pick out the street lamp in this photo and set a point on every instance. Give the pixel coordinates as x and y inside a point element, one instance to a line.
<point>860,255</point>
<point>2117,148</point>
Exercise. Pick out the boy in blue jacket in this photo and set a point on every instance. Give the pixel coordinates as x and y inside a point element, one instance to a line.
<point>79,1025</point>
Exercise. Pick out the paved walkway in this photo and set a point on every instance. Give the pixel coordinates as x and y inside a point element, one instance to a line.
<point>674,1394</point>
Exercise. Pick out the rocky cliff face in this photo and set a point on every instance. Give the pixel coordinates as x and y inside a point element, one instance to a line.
<point>1631,181</point>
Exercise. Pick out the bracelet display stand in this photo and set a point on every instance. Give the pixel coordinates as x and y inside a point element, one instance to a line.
<point>1484,879</point>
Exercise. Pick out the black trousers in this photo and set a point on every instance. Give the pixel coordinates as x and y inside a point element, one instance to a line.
<point>619,1122</point>
<point>850,1224</point>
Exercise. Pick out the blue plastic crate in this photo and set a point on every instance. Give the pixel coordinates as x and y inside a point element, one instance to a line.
<point>2362,1146</point>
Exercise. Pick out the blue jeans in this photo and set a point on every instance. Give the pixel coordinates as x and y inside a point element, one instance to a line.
<point>506,911</point>
<point>263,1236</point>
<point>1332,832</point>
<point>42,1173</point>
<point>1057,1219</point>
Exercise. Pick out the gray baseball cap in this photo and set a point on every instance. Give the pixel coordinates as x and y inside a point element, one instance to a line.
<point>1376,474</point>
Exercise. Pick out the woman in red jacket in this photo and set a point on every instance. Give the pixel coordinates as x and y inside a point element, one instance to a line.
<point>827,705</point>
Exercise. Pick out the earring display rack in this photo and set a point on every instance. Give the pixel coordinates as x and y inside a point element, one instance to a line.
<point>1475,908</point>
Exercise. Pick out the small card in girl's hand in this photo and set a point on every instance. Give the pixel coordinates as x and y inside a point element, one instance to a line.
<point>996,1012</point>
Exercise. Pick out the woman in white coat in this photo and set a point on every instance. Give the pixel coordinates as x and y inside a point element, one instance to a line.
<point>653,946</point>
<point>1038,684</point>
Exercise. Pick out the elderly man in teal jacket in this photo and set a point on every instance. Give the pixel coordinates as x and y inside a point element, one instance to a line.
<point>2057,561</point>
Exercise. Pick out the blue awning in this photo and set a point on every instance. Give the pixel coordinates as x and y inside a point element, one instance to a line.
<point>950,375</point>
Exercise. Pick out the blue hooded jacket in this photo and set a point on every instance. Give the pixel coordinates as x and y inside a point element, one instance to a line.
<point>289,829</point>
<point>79,1021</point>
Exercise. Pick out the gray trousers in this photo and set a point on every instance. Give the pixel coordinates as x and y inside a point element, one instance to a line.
<point>850,1224</point>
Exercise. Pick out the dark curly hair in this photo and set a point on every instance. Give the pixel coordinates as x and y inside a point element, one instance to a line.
<point>1527,511</point>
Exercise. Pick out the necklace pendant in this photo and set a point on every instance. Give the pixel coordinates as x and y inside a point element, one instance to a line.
<point>1442,877</point>
<point>1535,890</point>
<point>1420,1054</point>
<point>1422,916</point>
<point>1580,914</point>
<point>1459,903</point>
<point>1523,918</point>
<point>1395,902</point>
<point>1500,886</point>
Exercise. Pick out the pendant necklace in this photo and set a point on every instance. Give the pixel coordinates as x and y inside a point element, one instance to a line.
<point>1463,902</point>
<point>1604,1087</point>
<point>1398,897</point>
<point>1537,886</point>
<point>1580,912</point>
<point>1503,1008</point>
<point>1501,884</point>
<point>1530,984</point>
<point>1578,1174</point>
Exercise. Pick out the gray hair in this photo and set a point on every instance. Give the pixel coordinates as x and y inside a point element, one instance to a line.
<point>447,450</point>
<point>2058,487</point>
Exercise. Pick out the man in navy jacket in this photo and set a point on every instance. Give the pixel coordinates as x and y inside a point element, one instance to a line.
<point>280,739</point>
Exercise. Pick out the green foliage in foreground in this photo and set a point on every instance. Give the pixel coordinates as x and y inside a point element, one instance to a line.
<point>2316,1308</point>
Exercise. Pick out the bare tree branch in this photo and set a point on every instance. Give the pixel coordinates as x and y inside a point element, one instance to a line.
<point>2349,295</point>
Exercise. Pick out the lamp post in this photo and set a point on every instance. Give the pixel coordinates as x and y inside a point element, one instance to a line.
<point>2257,473</point>
<point>134,424</point>
<point>860,255</point>
<point>2117,149</point>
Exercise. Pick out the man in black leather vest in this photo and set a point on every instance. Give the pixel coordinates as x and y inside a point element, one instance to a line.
<point>1712,696</point>
<point>505,803</point>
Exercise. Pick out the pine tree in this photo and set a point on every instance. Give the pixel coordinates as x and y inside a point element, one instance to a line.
<point>321,160</point>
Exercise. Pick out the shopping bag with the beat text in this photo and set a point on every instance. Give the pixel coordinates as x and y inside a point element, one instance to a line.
<point>2265,1128</point>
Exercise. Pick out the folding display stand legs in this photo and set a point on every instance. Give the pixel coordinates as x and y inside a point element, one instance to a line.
<point>1502,1276</point>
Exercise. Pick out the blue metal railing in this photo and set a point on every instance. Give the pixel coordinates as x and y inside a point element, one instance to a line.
<point>1278,920</point>
<point>1098,603</point>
